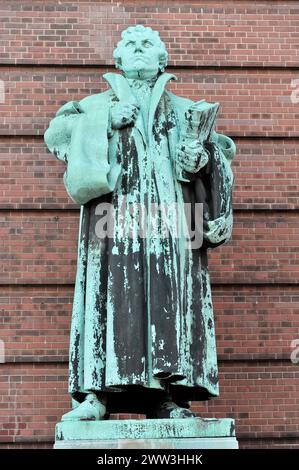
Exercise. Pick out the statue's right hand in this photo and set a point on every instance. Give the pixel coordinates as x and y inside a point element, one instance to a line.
<point>123,115</point>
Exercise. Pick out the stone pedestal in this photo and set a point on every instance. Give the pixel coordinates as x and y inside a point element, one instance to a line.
<point>192,433</point>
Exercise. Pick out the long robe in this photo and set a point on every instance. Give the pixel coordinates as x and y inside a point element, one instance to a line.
<point>142,310</point>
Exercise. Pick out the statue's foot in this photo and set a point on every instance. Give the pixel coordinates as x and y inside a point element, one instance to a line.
<point>169,409</point>
<point>91,409</point>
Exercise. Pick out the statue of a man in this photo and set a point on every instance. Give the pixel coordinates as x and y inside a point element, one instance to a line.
<point>142,334</point>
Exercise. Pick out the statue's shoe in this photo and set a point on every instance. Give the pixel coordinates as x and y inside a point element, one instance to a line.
<point>91,409</point>
<point>169,409</point>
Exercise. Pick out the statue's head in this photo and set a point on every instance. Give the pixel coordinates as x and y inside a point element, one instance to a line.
<point>140,53</point>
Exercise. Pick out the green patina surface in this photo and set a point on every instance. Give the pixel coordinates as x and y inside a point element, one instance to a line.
<point>146,429</point>
<point>142,308</point>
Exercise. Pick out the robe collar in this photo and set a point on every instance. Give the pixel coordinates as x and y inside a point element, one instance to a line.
<point>123,92</point>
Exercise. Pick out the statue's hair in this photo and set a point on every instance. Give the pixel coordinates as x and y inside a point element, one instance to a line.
<point>147,31</point>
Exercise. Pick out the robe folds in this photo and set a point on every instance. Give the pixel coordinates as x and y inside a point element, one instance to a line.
<point>142,310</point>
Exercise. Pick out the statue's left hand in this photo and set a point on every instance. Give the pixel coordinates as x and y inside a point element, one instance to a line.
<point>192,155</point>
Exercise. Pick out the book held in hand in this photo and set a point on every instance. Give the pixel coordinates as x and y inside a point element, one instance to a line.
<point>200,120</point>
<point>199,124</point>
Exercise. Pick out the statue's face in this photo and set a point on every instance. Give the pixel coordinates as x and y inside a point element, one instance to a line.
<point>140,56</point>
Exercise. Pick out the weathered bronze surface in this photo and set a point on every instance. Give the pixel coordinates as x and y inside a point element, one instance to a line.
<point>142,333</point>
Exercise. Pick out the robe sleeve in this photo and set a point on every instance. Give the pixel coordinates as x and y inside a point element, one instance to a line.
<point>79,136</point>
<point>212,186</point>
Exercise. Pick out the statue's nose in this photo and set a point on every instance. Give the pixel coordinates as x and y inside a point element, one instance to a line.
<point>138,48</point>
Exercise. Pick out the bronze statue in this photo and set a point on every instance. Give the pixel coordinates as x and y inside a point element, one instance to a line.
<point>142,334</point>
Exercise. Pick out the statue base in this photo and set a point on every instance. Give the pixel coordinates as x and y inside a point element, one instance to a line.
<point>189,433</point>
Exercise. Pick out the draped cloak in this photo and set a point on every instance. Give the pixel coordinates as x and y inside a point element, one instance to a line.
<point>142,308</point>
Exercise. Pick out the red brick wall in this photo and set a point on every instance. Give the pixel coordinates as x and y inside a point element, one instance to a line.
<point>244,54</point>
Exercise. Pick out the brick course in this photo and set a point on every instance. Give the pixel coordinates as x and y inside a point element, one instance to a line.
<point>253,102</point>
<point>211,33</point>
<point>262,398</point>
<point>266,175</point>
<point>255,322</point>
<point>41,248</point>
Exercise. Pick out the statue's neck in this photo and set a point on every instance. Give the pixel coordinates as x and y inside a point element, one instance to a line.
<point>138,83</point>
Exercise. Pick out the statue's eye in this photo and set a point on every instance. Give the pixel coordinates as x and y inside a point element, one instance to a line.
<point>147,43</point>
<point>130,44</point>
